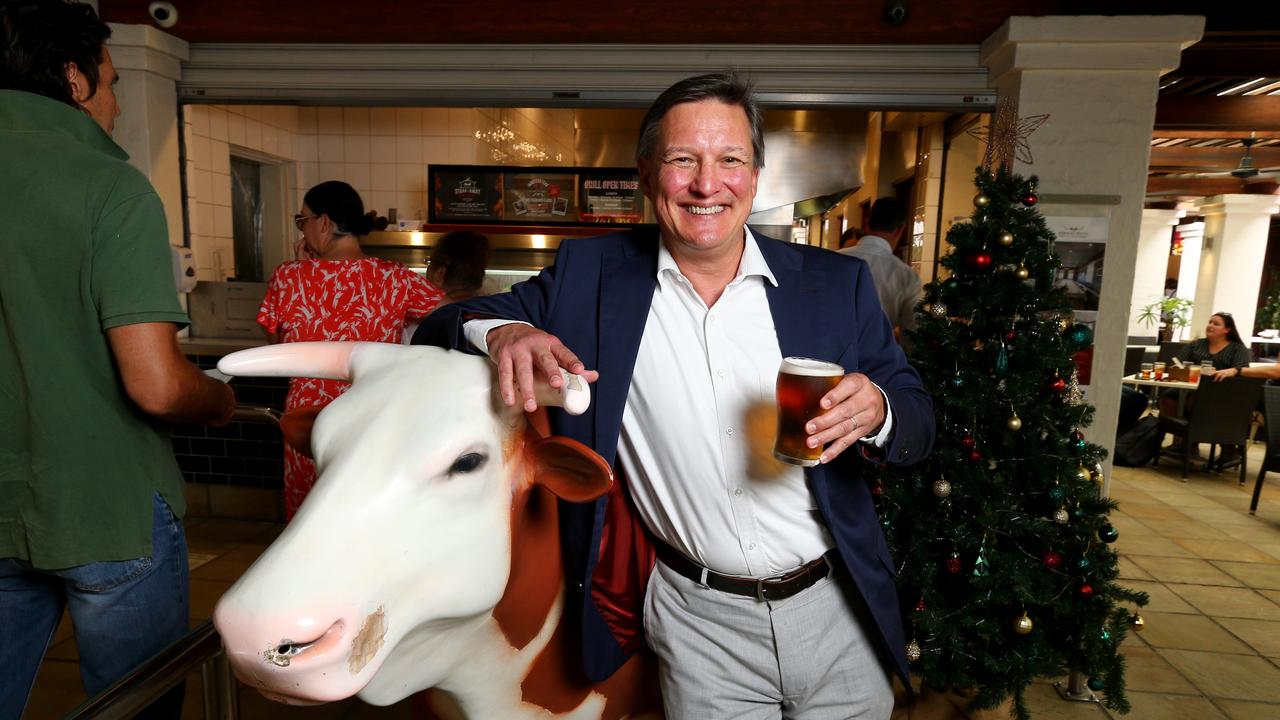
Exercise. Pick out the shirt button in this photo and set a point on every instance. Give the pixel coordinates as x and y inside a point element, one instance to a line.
<point>729,432</point>
<point>752,546</point>
<point>720,373</point>
<point>737,491</point>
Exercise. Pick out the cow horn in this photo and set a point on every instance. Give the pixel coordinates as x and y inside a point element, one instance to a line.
<point>574,394</point>
<point>327,360</point>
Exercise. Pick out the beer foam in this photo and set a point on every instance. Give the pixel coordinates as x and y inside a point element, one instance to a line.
<point>810,367</point>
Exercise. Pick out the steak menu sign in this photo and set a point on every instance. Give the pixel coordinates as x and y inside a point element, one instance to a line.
<point>535,195</point>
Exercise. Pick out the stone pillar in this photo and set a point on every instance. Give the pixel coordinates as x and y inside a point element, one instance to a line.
<point>1154,239</point>
<point>1235,242</point>
<point>149,63</point>
<point>1097,77</point>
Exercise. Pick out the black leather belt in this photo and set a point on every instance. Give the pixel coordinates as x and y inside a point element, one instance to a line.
<point>773,588</point>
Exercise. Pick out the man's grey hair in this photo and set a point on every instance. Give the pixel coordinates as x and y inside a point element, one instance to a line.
<point>728,88</point>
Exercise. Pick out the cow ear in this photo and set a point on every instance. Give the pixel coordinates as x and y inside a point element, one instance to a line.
<point>296,426</point>
<point>569,469</point>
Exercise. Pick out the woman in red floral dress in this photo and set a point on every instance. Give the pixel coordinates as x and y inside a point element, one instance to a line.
<point>335,292</point>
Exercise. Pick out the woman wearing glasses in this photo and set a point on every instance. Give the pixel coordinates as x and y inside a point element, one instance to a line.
<point>333,291</point>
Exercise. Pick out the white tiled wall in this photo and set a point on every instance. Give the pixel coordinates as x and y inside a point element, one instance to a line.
<point>382,152</point>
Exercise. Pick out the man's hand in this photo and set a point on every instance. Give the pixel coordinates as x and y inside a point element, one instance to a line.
<point>855,408</point>
<point>518,348</point>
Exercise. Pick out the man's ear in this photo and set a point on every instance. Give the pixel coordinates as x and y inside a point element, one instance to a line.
<point>78,83</point>
<point>296,427</point>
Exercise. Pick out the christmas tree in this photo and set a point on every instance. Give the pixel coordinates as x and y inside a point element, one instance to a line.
<point>1001,537</point>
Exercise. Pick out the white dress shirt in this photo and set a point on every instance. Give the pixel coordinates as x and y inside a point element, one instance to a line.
<point>683,446</point>
<point>897,285</point>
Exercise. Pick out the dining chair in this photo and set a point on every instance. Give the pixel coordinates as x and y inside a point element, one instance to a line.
<point>1221,416</point>
<point>1168,351</point>
<point>1133,359</point>
<point>1271,460</point>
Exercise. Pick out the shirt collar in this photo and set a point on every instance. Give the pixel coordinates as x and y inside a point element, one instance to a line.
<point>752,263</point>
<point>28,112</point>
<point>875,243</point>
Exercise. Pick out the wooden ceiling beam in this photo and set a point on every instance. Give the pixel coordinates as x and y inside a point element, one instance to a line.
<point>1233,112</point>
<point>1193,187</point>
<point>1214,134</point>
<point>1210,159</point>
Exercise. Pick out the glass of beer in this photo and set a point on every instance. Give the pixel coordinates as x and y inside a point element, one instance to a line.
<point>801,384</point>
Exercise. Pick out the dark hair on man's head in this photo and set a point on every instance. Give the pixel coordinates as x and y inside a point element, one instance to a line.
<point>39,38</point>
<point>1233,333</point>
<point>342,204</point>
<point>462,256</point>
<point>887,215</point>
<point>728,88</point>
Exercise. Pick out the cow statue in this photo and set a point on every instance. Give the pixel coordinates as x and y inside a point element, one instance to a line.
<point>427,556</point>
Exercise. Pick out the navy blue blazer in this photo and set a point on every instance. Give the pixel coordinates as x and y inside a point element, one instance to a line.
<point>596,299</point>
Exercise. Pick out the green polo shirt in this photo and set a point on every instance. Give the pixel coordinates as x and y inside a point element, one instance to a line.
<point>83,248</point>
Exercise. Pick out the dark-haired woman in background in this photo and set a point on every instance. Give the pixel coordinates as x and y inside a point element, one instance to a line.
<point>333,291</point>
<point>1221,345</point>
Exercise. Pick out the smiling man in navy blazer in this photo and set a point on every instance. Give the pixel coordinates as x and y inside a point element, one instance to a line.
<point>773,594</point>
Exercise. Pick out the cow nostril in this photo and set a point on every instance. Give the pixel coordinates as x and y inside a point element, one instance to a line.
<point>282,653</point>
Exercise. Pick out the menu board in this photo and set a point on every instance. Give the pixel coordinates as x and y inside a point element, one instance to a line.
<point>610,197</point>
<point>469,195</point>
<point>539,197</point>
<point>535,195</point>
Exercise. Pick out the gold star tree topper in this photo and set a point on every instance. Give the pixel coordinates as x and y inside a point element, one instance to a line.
<point>1006,136</point>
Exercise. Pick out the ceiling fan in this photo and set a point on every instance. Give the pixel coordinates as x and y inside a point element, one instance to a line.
<point>1245,169</point>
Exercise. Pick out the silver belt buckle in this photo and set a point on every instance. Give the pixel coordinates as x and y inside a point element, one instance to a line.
<point>760,589</point>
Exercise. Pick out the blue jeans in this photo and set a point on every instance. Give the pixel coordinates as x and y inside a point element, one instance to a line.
<point>123,612</point>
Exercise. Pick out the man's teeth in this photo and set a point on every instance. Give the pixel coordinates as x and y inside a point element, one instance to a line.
<point>698,210</point>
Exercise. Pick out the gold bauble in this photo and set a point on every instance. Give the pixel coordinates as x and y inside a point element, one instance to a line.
<point>978,344</point>
<point>1082,474</point>
<point>913,651</point>
<point>1023,625</point>
<point>1014,423</point>
<point>1064,323</point>
<point>1023,273</point>
<point>938,310</point>
<point>1137,622</point>
<point>981,200</point>
<point>1006,238</point>
<point>1061,516</point>
<point>941,488</point>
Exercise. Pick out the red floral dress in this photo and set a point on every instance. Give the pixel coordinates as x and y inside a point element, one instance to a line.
<point>368,299</point>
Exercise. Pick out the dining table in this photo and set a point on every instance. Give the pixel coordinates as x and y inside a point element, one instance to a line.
<point>1181,386</point>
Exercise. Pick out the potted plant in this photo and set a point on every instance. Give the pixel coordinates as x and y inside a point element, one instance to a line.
<point>1171,313</point>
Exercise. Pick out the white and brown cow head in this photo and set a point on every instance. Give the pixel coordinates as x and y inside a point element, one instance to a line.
<point>386,581</point>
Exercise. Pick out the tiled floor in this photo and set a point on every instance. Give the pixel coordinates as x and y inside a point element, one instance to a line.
<point>1211,647</point>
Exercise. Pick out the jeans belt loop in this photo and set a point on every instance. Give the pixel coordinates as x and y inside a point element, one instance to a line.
<point>703,580</point>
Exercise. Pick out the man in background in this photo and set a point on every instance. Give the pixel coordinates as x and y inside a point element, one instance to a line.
<point>91,498</point>
<point>897,284</point>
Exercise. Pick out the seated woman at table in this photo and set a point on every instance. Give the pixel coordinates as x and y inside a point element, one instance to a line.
<point>1221,345</point>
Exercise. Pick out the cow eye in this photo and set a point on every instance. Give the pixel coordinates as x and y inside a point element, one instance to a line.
<point>467,463</point>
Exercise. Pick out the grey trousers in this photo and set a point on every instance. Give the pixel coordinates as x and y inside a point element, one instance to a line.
<point>727,656</point>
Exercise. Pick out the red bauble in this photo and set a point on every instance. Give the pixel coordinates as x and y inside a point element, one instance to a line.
<point>1030,199</point>
<point>1051,559</point>
<point>979,261</point>
<point>1086,591</point>
<point>1058,384</point>
<point>920,605</point>
<point>968,441</point>
<point>1010,336</point>
<point>953,565</point>
<point>877,489</point>
<point>974,455</point>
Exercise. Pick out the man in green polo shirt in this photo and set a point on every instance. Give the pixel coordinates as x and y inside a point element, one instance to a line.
<point>90,369</point>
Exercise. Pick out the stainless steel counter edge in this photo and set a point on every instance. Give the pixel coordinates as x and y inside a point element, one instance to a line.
<point>217,346</point>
